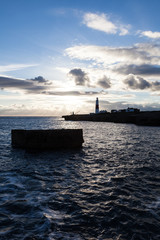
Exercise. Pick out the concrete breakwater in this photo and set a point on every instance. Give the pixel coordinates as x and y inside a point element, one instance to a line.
<point>146,118</point>
<point>47,139</point>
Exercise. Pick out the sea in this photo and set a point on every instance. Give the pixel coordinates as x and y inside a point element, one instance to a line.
<point>107,190</point>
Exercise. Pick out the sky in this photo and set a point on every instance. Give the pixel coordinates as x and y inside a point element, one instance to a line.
<point>58,56</point>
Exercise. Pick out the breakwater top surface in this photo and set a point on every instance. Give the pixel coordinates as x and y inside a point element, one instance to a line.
<point>48,139</point>
<point>109,189</point>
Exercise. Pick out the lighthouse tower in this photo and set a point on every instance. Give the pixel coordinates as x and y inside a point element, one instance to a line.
<point>97,106</point>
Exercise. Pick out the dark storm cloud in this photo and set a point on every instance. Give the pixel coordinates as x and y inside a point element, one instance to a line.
<point>104,82</point>
<point>138,83</point>
<point>80,77</point>
<point>139,70</point>
<point>21,84</point>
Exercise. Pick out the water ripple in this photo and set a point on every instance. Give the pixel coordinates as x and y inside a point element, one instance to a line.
<point>109,190</point>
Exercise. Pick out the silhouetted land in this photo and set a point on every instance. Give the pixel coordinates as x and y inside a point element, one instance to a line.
<point>146,118</point>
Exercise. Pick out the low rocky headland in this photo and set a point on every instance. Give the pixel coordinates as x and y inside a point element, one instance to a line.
<point>145,118</point>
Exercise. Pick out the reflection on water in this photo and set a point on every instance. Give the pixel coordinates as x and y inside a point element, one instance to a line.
<point>110,189</point>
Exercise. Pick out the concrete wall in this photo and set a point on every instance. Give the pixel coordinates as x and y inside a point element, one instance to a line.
<point>47,139</point>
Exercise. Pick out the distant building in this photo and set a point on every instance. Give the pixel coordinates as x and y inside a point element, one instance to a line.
<point>122,110</point>
<point>114,111</point>
<point>126,110</point>
<point>103,111</point>
<point>132,110</point>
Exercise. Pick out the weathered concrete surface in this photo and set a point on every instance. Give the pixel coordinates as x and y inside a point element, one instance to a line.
<point>47,139</point>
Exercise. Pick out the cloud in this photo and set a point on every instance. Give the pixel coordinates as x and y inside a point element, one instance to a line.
<point>124,30</point>
<point>62,109</point>
<point>80,77</point>
<point>13,67</point>
<point>135,82</point>
<point>156,86</point>
<point>34,87</point>
<point>118,61</point>
<point>140,54</point>
<point>99,22</point>
<point>29,86</point>
<point>151,34</point>
<point>102,23</point>
<point>123,105</point>
<point>73,93</point>
<point>104,82</point>
<point>145,69</point>
<point>31,110</point>
<point>40,79</point>
<point>138,83</point>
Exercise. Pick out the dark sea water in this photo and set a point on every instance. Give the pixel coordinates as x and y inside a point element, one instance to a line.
<point>108,190</point>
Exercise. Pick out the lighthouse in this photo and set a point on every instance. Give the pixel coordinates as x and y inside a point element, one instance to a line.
<point>97,106</point>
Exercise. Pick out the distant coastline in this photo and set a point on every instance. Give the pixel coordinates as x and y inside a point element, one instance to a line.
<point>145,118</point>
<point>129,115</point>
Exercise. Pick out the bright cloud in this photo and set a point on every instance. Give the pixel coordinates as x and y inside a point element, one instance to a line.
<point>139,54</point>
<point>102,23</point>
<point>99,22</point>
<point>151,34</point>
<point>13,67</point>
<point>31,110</point>
<point>124,30</point>
<point>115,63</point>
<point>119,73</point>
